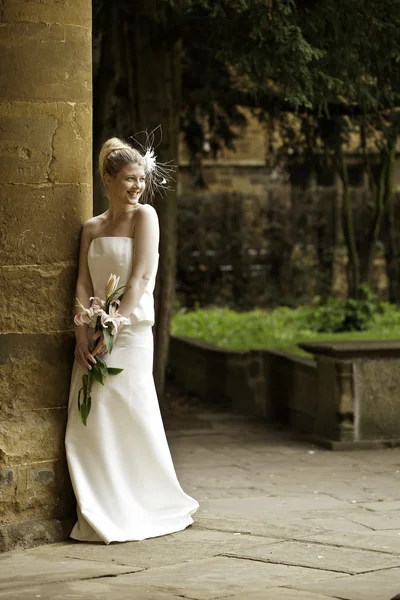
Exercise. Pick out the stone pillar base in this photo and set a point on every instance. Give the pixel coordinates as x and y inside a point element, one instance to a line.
<point>34,533</point>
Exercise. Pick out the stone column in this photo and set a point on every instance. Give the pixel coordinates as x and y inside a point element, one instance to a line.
<point>45,190</point>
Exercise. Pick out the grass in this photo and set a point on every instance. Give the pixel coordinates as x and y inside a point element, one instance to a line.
<point>279,329</point>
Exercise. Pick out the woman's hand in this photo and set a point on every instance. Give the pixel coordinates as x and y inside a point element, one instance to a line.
<point>82,352</point>
<point>101,347</point>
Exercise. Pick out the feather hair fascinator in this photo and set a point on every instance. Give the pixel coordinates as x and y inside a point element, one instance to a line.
<point>159,175</point>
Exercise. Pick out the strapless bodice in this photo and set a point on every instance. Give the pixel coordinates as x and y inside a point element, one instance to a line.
<point>115,255</point>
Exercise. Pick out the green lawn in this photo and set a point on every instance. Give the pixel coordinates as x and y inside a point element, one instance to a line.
<point>279,329</point>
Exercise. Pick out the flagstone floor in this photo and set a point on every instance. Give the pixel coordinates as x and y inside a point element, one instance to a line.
<point>280,519</point>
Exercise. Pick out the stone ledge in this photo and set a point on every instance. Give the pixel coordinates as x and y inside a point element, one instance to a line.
<point>360,349</point>
<point>201,344</point>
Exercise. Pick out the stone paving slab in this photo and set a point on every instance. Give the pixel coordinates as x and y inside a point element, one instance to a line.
<point>204,493</point>
<point>93,589</point>
<point>265,508</point>
<point>381,585</point>
<point>220,576</point>
<point>370,541</point>
<point>384,506</point>
<point>177,548</point>
<point>253,527</point>
<point>279,593</point>
<point>334,523</point>
<point>321,556</point>
<point>380,522</point>
<point>18,569</point>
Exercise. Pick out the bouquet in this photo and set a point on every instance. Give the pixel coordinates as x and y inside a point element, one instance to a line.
<point>105,315</point>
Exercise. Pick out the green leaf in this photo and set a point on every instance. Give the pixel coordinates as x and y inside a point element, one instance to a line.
<point>79,398</point>
<point>113,371</point>
<point>85,410</point>
<point>85,379</point>
<point>97,374</point>
<point>102,365</point>
<point>109,339</point>
<point>100,361</point>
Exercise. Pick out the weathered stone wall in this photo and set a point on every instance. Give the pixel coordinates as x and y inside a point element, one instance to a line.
<point>283,245</point>
<point>45,188</point>
<point>277,386</point>
<point>259,235</point>
<point>346,396</point>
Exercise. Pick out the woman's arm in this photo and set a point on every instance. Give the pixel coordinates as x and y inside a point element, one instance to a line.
<point>145,258</point>
<point>84,290</point>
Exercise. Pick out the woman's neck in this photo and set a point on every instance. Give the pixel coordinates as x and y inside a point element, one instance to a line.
<point>114,213</point>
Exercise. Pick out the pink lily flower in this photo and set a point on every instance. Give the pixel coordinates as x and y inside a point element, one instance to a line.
<point>97,302</point>
<point>114,319</point>
<point>84,317</point>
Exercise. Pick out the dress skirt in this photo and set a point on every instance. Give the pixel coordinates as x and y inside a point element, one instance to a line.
<point>120,464</point>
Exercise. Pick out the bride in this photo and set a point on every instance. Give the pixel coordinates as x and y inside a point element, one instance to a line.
<point>120,464</point>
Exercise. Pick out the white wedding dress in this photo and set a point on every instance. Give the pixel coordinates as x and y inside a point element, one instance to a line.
<point>120,464</point>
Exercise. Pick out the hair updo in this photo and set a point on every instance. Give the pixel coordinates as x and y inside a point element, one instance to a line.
<point>115,154</point>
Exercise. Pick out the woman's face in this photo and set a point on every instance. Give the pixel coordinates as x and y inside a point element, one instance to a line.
<point>127,185</point>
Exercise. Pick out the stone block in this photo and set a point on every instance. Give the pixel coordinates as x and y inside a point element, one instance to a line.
<point>377,385</point>
<point>44,224</point>
<point>199,367</point>
<point>67,76</point>
<point>30,497</point>
<point>37,298</point>
<point>29,533</point>
<point>35,370</point>
<point>39,491</point>
<point>44,142</point>
<point>32,436</point>
<point>326,422</point>
<point>7,477</point>
<point>240,386</point>
<point>73,12</point>
<point>291,389</point>
<point>42,474</point>
<point>8,489</point>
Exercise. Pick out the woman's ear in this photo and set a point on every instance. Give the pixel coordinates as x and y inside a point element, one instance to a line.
<point>107,180</point>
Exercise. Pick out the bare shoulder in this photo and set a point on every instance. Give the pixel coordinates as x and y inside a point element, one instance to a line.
<point>91,226</point>
<point>147,214</point>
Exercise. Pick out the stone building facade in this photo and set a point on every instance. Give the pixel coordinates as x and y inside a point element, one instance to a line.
<point>278,230</point>
<point>45,188</point>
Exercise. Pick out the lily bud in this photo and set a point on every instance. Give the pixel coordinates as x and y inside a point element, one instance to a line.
<point>112,285</point>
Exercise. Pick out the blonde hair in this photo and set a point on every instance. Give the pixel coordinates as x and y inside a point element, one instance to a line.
<point>115,154</point>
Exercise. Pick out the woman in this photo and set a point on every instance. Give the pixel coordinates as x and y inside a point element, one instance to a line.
<point>120,465</point>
